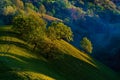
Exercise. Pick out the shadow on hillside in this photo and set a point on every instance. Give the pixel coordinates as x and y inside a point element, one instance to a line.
<point>67,66</point>
<point>9,33</point>
<point>75,68</point>
<point>6,71</point>
<point>78,69</point>
<point>30,65</point>
<point>3,67</point>
<point>21,45</point>
<point>63,67</point>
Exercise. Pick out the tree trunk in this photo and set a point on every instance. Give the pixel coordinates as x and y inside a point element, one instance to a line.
<point>35,45</point>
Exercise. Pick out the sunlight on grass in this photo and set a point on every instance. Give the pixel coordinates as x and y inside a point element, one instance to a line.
<point>22,52</point>
<point>70,50</point>
<point>13,57</point>
<point>35,76</point>
<point>8,38</point>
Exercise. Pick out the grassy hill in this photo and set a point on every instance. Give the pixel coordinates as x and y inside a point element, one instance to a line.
<point>19,62</point>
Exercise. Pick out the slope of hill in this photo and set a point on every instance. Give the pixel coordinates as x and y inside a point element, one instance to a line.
<point>96,19</point>
<point>18,62</point>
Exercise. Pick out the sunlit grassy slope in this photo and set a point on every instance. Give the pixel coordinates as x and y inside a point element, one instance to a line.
<point>19,62</point>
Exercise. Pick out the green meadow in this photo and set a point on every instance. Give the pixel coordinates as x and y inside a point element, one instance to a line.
<point>19,62</point>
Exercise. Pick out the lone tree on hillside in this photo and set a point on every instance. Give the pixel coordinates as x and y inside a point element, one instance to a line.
<point>86,45</point>
<point>60,31</point>
<point>31,28</point>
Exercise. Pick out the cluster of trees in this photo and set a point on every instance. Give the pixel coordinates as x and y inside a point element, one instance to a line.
<point>28,24</point>
<point>9,8</point>
<point>32,29</point>
<point>57,8</point>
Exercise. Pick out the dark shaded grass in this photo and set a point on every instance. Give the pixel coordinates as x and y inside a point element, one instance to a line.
<point>74,69</point>
<point>31,64</point>
<point>9,33</point>
<point>22,45</point>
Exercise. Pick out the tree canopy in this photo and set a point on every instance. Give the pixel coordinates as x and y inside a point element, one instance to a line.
<point>86,45</point>
<point>60,31</point>
<point>29,27</point>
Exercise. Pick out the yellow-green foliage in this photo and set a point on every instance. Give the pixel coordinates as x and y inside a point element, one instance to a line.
<point>18,3</point>
<point>32,29</point>
<point>60,31</point>
<point>86,45</point>
<point>29,27</point>
<point>49,49</point>
<point>9,10</point>
<point>42,9</point>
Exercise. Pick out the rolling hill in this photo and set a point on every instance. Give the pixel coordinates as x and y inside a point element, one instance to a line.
<point>19,62</point>
<point>97,20</point>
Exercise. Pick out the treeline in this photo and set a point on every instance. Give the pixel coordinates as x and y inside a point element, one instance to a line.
<point>72,10</point>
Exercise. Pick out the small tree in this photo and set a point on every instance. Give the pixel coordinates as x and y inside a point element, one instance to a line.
<point>9,10</point>
<point>86,45</point>
<point>18,3</point>
<point>42,9</point>
<point>60,31</point>
<point>4,4</point>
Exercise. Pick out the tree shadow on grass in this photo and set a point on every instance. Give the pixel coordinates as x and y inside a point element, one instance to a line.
<point>30,65</point>
<point>63,67</point>
<point>21,45</point>
<point>80,70</point>
<point>9,33</point>
<point>70,68</point>
<point>11,76</point>
<point>6,72</point>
